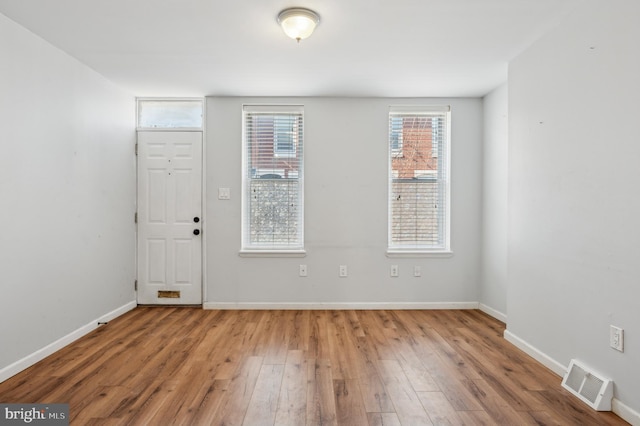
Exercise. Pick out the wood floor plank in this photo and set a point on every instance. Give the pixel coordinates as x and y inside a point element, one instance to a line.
<point>439,409</point>
<point>292,404</point>
<point>337,343</point>
<point>373,326</point>
<point>264,400</point>
<point>374,394</point>
<point>383,419</point>
<point>349,407</point>
<point>496,370</point>
<point>188,366</point>
<point>482,347</point>
<point>499,410</point>
<point>405,400</point>
<point>569,408</point>
<point>300,321</point>
<point>448,354</point>
<point>277,345</point>
<point>206,411</point>
<point>321,405</point>
<point>239,392</point>
<point>102,406</point>
<point>476,418</point>
<point>416,372</point>
<point>230,354</point>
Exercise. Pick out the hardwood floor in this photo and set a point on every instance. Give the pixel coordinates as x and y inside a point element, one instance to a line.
<point>164,366</point>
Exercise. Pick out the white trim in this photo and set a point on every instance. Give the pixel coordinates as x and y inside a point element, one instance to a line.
<point>493,312</point>
<point>247,248</point>
<point>399,253</point>
<point>275,108</point>
<point>202,100</point>
<point>536,354</point>
<point>272,253</point>
<point>203,205</point>
<point>168,129</point>
<point>418,109</point>
<point>26,362</point>
<point>625,412</point>
<point>338,305</point>
<point>617,407</point>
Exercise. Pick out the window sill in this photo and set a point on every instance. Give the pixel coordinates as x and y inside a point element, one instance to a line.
<point>419,253</point>
<point>169,129</point>
<point>272,253</point>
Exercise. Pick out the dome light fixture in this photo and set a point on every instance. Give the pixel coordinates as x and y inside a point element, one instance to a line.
<point>298,23</point>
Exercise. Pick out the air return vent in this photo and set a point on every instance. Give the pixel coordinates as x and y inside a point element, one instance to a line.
<point>590,387</point>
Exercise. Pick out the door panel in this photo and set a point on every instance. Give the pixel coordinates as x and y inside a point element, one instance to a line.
<point>169,198</point>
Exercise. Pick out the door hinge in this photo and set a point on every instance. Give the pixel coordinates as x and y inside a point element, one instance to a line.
<point>135,285</point>
<point>136,149</point>
<point>135,217</point>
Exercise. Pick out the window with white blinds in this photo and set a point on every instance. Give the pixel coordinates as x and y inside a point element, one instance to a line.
<point>419,179</point>
<point>273,178</point>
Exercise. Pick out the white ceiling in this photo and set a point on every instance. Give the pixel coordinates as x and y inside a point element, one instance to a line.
<point>361,47</point>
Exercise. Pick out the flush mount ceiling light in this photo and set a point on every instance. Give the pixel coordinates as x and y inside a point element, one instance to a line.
<point>298,23</point>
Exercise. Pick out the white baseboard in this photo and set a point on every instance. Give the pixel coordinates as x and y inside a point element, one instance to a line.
<point>339,305</point>
<point>26,362</point>
<point>494,313</point>
<point>536,354</point>
<point>620,409</point>
<point>625,412</point>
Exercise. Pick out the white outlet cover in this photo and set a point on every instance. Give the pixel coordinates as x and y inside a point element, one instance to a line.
<point>343,271</point>
<point>417,271</point>
<point>394,271</point>
<point>616,338</point>
<point>224,193</point>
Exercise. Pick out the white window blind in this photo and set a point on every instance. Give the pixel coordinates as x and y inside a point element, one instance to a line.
<point>419,178</point>
<point>273,178</point>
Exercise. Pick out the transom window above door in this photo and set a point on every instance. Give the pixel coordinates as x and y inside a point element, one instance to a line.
<point>167,114</point>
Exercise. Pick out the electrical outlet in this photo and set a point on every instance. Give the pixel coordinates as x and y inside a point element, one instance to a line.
<point>616,338</point>
<point>303,270</point>
<point>224,193</point>
<point>343,271</point>
<point>394,271</point>
<point>417,271</point>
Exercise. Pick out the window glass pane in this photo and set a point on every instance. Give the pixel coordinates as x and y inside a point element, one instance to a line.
<point>170,114</point>
<point>418,187</point>
<point>273,176</point>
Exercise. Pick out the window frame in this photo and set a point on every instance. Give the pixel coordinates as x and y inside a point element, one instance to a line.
<point>140,102</point>
<point>442,176</point>
<point>248,249</point>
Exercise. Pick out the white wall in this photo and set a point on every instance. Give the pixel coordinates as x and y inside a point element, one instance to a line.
<point>345,210</point>
<point>493,286</point>
<point>574,153</point>
<point>67,184</point>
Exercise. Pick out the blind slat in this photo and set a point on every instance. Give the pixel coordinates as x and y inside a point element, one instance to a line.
<point>273,144</point>
<point>418,178</point>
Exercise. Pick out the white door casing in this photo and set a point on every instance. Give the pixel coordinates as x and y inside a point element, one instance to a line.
<point>169,217</point>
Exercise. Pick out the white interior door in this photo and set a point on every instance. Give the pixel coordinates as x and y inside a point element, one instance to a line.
<point>169,217</point>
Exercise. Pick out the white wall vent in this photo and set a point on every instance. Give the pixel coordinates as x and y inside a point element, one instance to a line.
<point>589,386</point>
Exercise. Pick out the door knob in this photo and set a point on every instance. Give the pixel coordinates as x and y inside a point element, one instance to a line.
<point>196,232</point>
<point>196,219</point>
